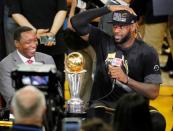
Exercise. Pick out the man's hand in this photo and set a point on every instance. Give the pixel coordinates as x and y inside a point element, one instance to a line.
<point>41,32</point>
<point>50,43</point>
<point>120,7</point>
<point>117,73</point>
<point>49,36</point>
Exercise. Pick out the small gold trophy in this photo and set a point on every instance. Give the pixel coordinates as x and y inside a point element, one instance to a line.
<point>74,64</point>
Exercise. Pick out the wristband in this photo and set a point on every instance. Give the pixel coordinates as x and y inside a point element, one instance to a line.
<point>52,33</point>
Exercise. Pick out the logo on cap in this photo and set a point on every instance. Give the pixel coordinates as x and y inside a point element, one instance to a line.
<point>119,17</point>
<point>123,17</point>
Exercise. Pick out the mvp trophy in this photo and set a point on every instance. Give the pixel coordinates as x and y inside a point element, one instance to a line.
<point>74,72</point>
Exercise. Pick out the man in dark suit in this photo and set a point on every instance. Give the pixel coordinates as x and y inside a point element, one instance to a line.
<point>26,45</point>
<point>28,106</point>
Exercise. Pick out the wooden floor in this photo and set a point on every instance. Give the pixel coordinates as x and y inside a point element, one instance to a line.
<point>164,104</point>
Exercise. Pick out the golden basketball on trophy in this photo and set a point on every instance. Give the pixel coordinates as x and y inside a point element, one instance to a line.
<point>74,62</point>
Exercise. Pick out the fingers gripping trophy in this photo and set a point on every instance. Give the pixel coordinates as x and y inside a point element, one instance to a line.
<point>74,64</point>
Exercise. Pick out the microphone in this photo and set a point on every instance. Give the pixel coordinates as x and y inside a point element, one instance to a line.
<point>118,63</point>
<point>114,61</point>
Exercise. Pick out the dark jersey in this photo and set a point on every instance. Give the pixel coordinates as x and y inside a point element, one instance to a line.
<point>142,60</point>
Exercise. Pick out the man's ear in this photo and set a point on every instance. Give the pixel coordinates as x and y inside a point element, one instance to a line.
<point>16,43</point>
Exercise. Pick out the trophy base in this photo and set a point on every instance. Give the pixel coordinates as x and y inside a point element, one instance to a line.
<point>75,106</point>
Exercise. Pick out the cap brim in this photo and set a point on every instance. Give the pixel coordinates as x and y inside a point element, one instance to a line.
<point>117,23</point>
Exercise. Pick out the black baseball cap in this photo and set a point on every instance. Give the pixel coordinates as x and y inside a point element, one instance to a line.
<point>122,17</point>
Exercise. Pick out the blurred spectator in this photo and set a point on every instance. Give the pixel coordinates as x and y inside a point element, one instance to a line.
<point>171,47</point>
<point>28,107</point>
<point>95,124</point>
<point>2,41</point>
<point>156,27</point>
<point>132,114</point>
<point>9,28</point>
<point>158,121</point>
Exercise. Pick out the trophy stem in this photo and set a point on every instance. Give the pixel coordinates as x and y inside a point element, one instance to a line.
<point>75,104</point>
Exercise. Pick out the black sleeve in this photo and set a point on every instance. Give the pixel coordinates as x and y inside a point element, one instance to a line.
<point>14,7</point>
<point>80,22</point>
<point>151,62</point>
<point>73,41</point>
<point>61,5</point>
<point>152,73</point>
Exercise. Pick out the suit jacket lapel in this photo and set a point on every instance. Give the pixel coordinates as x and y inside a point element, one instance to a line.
<point>16,58</point>
<point>37,57</point>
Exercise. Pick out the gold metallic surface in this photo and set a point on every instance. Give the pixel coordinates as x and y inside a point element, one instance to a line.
<point>74,62</point>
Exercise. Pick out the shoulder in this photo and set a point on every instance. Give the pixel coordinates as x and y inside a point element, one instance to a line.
<point>8,59</point>
<point>149,57</point>
<point>8,63</point>
<point>40,54</point>
<point>145,48</point>
<point>45,58</point>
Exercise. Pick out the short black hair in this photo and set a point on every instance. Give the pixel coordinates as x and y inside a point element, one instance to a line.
<point>19,30</point>
<point>132,113</point>
<point>158,121</point>
<point>96,124</point>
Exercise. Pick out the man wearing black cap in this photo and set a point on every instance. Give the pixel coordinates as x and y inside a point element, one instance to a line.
<point>124,63</point>
<point>103,19</point>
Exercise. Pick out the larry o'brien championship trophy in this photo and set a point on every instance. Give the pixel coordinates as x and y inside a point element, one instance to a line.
<point>74,64</point>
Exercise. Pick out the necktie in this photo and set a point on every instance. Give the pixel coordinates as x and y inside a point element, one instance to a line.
<point>29,61</point>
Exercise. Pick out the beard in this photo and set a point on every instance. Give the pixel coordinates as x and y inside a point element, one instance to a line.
<point>124,39</point>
